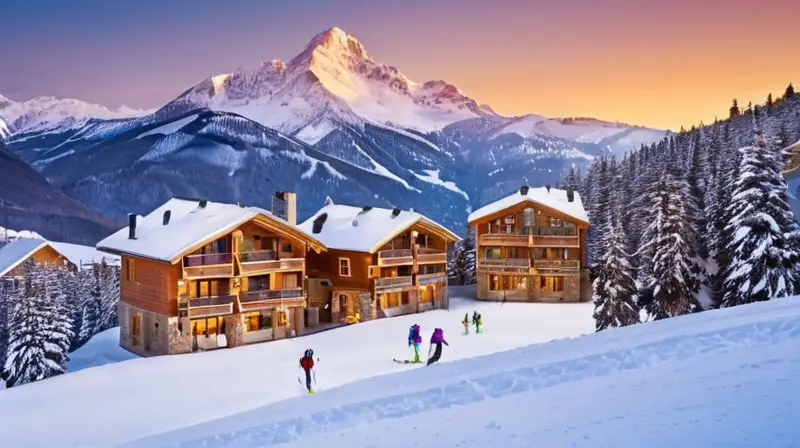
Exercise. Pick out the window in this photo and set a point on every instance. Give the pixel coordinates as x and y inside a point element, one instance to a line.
<point>570,229</point>
<point>282,318</point>
<point>257,321</point>
<point>495,283</point>
<point>516,283</point>
<point>344,267</point>
<point>422,240</point>
<point>493,253</point>
<point>404,298</point>
<point>130,270</point>
<point>551,284</point>
<point>259,283</point>
<point>210,326</point>
<point>286,247</point>
<point>374,271</point>
<point>210,288</point>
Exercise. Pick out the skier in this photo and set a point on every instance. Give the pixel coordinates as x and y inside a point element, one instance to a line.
<point>437,339</point>
<point>478,324</point>
<point>475,320</point>
<point>466,323</point>
<point>307,363</point>
<point>414,338</point>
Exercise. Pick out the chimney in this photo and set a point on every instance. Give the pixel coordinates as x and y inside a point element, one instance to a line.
<point>570,194</point>
<point>395,212</point>
<point>167,214</point>
<point>286,207</point>
<point>365,209</point>
<point>203,203</point>
<point>548,187</point>
<point>131,226</point>
<point>524,190</point>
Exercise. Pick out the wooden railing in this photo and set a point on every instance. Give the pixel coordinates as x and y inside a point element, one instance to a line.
<point>382,284</point>
<point>555,241</point>
<point>430,256</point>
<point>425,279</point>
<point>266,265</point>
<point>207,265</point>
<point>206,306</point>
<point>257,255</point>
<point>557,264</point>
<point>395,257</point>
<point>504,238</point>
<point>270,294</point>
<point>507,264</point>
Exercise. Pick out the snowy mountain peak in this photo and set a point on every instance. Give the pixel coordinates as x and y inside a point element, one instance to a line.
<point>336,41</point>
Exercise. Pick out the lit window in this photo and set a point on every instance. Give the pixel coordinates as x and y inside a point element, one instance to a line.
<point>344,267</point>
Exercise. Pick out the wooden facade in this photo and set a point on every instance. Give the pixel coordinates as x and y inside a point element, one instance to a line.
<point>407,273</point>
<point>531,253</point>
<point>242,286</point>
<point>44,255</point>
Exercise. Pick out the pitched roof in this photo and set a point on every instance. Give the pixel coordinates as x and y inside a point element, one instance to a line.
<point>347,227</point>
<point>189,225</point>
<point>555,199</point>
<point>19,250</point>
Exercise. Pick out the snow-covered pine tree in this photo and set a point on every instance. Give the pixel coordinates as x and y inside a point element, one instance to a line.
<point>764,250</point>
<point>462,265</point>
<point>57,330</point>
<point>109,296</point>
<point>89,305</point>
<point>614,290</point>
<point>26,359</point>
<point>572,179</point>
<point>456,263</point>
<point>6,289</point>
<point>602,177</point>
<point>675,272</point>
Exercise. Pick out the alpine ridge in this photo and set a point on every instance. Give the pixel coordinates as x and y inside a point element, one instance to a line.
<point>331,121</point>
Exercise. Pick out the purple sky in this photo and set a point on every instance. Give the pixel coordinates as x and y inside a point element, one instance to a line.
<point>661,63</point>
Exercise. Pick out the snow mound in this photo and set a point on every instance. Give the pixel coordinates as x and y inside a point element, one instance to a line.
<point>103,348</point>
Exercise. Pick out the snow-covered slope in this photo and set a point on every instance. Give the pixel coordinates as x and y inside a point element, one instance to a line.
<point>120,398</point>
<point>48,113</point>
<point>4,129</point>
<point>720,378</point>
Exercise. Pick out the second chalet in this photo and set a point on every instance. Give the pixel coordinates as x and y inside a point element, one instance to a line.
<point>379,263</point>
<point>198,275</point>
<point>531,247</point>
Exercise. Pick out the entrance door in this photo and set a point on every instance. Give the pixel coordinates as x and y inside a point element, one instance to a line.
<point>135,329</point>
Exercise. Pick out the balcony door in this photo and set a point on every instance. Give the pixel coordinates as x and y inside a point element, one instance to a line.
<point>259,283</point>
<point>290,280</point>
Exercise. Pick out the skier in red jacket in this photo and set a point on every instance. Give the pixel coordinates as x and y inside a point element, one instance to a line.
<point>307,363</point>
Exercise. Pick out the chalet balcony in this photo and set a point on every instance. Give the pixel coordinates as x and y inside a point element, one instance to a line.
<point>555,241</point>
<point>255,300</point>
<point>265,261</point>
<point>504,239</point>
<point>393,284</point>
<point>207,266</point>
<point>506,264</point>
<point>427,279</point>
<point>206,306</point>
<point>395,257</point>
<point>562,265</point>
<point>431,256</point>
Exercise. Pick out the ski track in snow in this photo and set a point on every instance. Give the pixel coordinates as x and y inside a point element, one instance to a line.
<point>474,389</point>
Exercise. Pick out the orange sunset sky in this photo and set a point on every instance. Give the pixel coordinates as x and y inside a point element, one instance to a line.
<point>657,63</point>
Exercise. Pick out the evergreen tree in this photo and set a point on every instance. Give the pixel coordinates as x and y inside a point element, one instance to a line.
<point>89,306</point>
<point>764,247</point>
<point>462,262</point>
<point>789,93</point>
<point>614,290</point>
<point>58,331</point>
<point>26,356</point>
<point>109,296</point>
<point>675,281</point>
<point>769,101</point>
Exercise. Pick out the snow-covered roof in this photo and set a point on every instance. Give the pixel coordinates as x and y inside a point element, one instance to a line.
<point>189,225</point>
<point>555,199</point>
<point>347,227</point>
<point>19,250</point>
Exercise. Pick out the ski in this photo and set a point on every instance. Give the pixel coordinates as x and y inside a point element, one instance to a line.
<point>405,361</point>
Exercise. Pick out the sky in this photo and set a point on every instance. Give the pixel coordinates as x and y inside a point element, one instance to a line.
<point>662,63</point>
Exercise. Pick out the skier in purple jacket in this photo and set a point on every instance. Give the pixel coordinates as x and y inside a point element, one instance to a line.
<point>414,339</point>
<point>437,339</point>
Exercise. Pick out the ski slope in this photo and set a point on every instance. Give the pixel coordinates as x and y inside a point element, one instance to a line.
<point>138,397</point>
<point>720,378</point>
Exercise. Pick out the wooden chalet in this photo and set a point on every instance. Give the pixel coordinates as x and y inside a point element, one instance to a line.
<point>15,254</point>
<point>199,275</point>
<point>379,263</point>
<point>531,247</point>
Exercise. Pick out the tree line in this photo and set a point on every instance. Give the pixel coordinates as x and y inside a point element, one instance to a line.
<point>50,312</point>
<point>699,220</point>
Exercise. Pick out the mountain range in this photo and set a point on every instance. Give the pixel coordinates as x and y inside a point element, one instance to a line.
<point>329,122</point>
